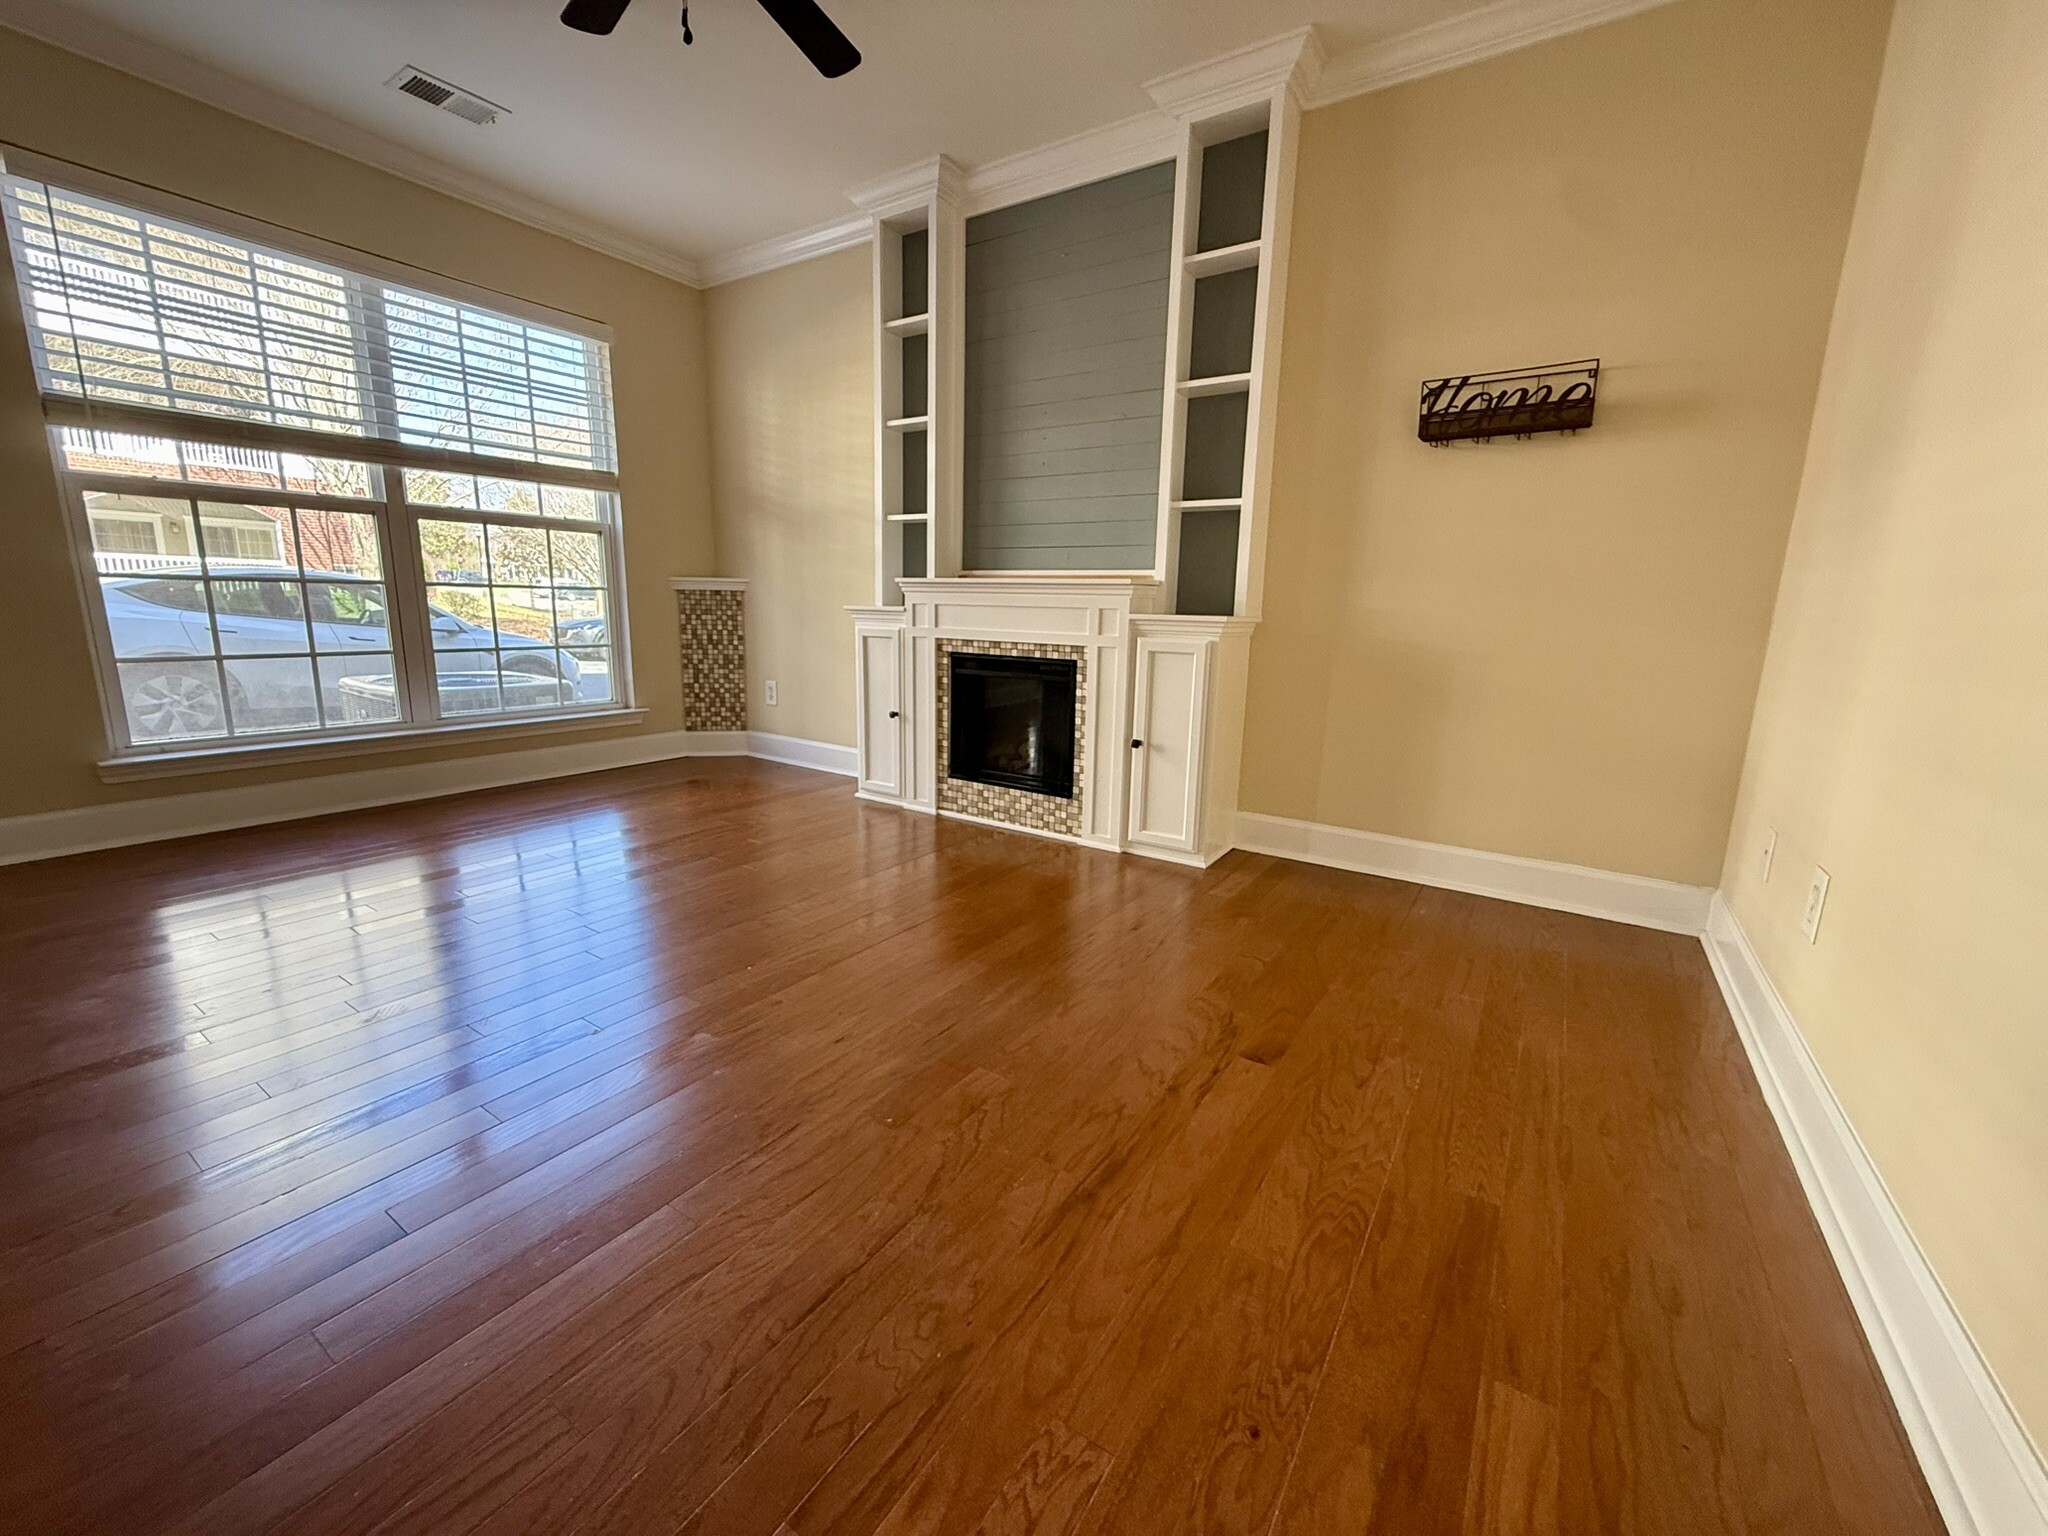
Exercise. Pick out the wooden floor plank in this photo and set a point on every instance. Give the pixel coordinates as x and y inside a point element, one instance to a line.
<point>695,1148</point>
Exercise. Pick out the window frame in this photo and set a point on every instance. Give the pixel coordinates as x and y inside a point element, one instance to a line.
<point>405,584</point>
<point>396,517</point>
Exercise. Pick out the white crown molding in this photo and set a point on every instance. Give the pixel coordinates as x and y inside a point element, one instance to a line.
<point>1445,45</point>
<point>708,583</point>
<point>1110,150</point>
<point>1984,1472</point>
<point>1242,76</point>
<point>909,188</point>
<point>1635,899</point>
<point>786,250</point>
<point>76,32</point>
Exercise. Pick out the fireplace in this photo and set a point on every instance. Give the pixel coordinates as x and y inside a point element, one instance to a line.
<point>1012,722</point>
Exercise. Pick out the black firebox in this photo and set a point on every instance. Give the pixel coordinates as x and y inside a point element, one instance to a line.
<point>1013,722</point>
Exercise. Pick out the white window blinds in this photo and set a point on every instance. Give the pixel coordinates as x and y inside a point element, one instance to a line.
<point>130,308</point>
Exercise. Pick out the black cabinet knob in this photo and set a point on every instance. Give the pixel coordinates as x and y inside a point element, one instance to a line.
<point>1135,744</point>
<point>892,714</point>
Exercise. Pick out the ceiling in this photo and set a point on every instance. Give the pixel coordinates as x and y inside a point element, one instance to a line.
<point>663,152</point>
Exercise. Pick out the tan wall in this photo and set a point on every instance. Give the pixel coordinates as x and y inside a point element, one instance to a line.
<point>793,479</point>
<point>1901,736</point>
<point>1551,648</point>
<point>66,106</point>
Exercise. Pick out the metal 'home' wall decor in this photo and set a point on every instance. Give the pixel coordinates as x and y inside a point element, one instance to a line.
<point>1478,406</point>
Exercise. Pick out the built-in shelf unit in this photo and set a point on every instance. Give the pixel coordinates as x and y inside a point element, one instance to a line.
<point>1166,651</point>
<point>1235,190</point>
<point>917,234</point>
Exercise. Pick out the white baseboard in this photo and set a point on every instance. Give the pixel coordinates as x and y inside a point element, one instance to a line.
<point>825,756</point>
<point>1535,882</point>
<point>155,818</point>
<point>1984,1472</point>
<point>715,744</point>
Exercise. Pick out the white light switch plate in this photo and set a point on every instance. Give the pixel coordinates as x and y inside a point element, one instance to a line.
<point>1816,899</point>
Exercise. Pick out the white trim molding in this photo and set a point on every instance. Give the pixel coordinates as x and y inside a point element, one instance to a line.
<point>910,188</point>
<point>713,743</point>
<point>1504,27</point>
<point>1635,899</point>
<point>1293,59</point>
<point>1982,1468</point>
<point>707,583</point>
<point>825,756</point>
<point>784,250</point>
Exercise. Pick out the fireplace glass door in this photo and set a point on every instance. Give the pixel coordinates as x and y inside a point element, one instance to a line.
<point>1012,722</point>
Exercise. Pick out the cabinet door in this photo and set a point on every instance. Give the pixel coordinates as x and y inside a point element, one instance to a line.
<point>1166,748</point>
<point>878,655</point>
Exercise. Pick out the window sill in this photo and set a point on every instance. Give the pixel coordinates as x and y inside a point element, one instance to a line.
<point>160,765</point>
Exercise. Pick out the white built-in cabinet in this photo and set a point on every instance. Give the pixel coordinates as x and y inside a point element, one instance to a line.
<point>878,667</point>
<point>1187,692</point>
<point>1169,706</point>
<point>1171,648</point>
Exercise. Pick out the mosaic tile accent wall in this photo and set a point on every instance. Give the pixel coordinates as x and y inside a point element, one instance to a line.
<point>714,641</point>
<point>998,802</point>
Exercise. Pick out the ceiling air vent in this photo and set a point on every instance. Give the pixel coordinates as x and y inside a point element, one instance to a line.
<point>466,105</point>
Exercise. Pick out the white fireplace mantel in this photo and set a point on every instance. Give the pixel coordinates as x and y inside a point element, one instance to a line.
<point>1165,701</point>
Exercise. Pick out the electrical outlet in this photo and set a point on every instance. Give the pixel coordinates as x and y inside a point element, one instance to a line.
<point>1770,853</point>
<point>1816,898</point>
<point>771,690</point>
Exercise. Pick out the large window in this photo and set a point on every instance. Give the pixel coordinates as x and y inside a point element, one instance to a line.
<point>312,500</point>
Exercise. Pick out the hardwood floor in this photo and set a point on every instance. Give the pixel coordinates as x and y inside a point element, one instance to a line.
<point>693,1148</point>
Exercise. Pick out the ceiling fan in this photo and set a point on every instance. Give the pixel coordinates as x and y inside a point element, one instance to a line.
<point>808,27</point>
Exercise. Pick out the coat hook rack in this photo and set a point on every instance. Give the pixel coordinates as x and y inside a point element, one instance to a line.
<point>1478,407</point>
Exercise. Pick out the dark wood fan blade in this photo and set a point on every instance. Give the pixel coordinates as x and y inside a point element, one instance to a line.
<point>813,31</point>
<point>598,16</point>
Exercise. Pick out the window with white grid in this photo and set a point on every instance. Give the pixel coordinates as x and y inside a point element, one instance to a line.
<point>311,500</point>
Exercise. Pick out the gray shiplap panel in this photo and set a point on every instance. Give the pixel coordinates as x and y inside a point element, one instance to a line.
<point>1025,331</point>
<point>1102,521</point>
<point>1057,287</point>
<point>1017,492</point>
<point>1128,372</point>
<point>1129,432</point>
<point>1001,265</point>
<point>1105,307</point>
<point>1078,560</point>
<point>1066,355</point>
<point>1137,405</point>
<point>1074,203</point>
<point>1023,359</point>
<point>1069,461</point>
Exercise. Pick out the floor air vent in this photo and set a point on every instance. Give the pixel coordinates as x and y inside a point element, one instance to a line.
<point>466,105</point>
